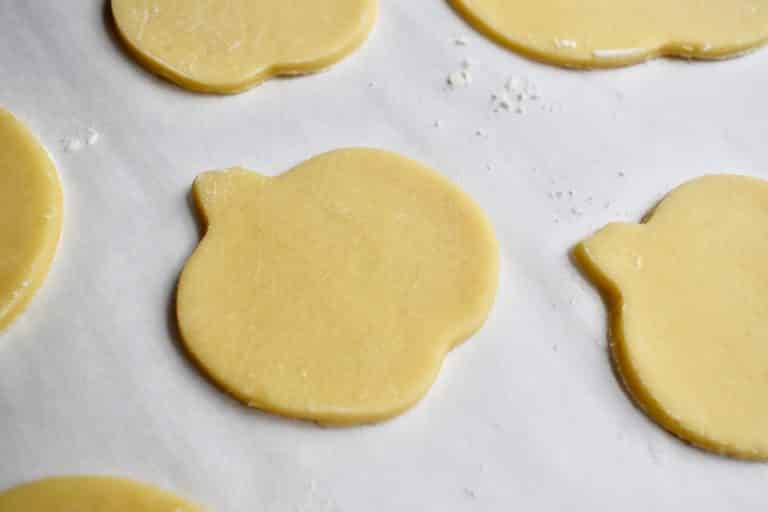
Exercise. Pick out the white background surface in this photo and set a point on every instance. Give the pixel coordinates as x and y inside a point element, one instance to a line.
<point>527,416</point>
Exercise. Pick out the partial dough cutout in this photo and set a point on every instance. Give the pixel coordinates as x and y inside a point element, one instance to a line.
<point>30,216</point>
<point>613,33</point>
<point>688,297</point>
<point>229,46</point>
<point>332,293</point>
<point>90,494</point>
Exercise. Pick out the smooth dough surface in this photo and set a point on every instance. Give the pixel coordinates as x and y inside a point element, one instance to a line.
<point>227,46</point>
<point>90,494</point>
<point>333,292</point>
<point>688,294</point>
<point>30,216</point>
<point>612,33</point>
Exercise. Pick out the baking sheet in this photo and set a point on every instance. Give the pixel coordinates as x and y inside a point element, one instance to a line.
<point>527,416</point>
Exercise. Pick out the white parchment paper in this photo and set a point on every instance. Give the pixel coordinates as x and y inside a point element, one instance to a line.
<point>526,416</point>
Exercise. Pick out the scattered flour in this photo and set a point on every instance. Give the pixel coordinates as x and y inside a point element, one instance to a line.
<point>76,143</point>
<point>93,137</point>
<point>462,77</point>
<point>72,144</point>
<point>460,41</point>
<point>617,53</point>
<point>565,43</point>
<point>457,79</point>
<point>515,96</point>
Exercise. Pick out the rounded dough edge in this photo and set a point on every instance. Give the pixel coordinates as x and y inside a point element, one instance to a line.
<point>619,59</point>
<point>331,416</point>
<point>629,378</point>
<point>121,495</point>
<point>41,266</point>
<point>273,70</point>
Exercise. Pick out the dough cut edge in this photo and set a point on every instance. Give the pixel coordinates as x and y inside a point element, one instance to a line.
<point>498,36</point>
<point>275,70</point>
<point>632,384</point>
<point>338,417</point>
<point>125,483</point>
<point>329,416</point>
<point>41,267</point>
<point>30,291</point>
<point>673,50</point>
<point>45,263</point>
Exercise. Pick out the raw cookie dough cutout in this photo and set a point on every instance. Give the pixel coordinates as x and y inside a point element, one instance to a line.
<point>333,292</point>
<point>30,216</point>
<point>613,33</point>
<point>90,494</point>
<point>688,297</point>
<point>229,46</point>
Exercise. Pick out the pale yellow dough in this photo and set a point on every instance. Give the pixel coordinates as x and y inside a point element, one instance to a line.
<point>227,46</point>
<point>90,494</point>
<point>688,296</point>
<point>30,216</point>
<point>333,292</point>
<point>612,33</point>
